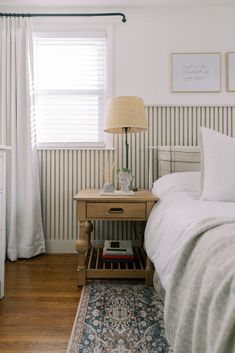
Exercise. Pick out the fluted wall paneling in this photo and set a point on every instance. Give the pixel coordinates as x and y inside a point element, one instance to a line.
<point>63,172</point>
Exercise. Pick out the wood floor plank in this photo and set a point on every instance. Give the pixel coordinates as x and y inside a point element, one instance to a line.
<point>40,303</point>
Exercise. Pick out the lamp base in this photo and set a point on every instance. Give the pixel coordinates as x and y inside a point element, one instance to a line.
<point>133,188</point>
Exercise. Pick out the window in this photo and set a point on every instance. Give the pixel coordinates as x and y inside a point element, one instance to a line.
<point>70,80</point>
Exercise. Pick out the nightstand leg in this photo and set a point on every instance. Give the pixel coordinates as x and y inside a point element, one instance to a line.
<point>88,230</point>
<point>140,227</point>
<point>149,273</point>
<point>82,246</point>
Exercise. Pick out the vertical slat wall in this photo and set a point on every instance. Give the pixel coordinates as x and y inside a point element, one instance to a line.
<point>179,125</point>
<point>64,172</point>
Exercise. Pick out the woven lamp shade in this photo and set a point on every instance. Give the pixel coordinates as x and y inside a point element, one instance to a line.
<point>125,112</point>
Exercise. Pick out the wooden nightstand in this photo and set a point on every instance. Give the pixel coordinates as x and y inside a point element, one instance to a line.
<point>92,206</point>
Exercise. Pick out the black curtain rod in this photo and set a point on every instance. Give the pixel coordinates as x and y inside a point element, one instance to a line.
<point>63,15</point>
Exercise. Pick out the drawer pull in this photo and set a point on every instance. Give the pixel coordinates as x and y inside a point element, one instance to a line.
<point>115,210</point>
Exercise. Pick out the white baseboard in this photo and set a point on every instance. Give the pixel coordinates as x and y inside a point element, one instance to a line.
<point>66,246</point>
<point>60,246</point>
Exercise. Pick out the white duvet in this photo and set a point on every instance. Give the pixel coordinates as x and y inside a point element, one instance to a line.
<point>179,209</point>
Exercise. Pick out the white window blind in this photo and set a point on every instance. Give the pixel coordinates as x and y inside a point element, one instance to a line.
<point>70,76</point>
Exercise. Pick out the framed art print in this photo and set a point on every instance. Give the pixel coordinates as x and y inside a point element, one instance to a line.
<point>195,72</point>
<point>230,72</point>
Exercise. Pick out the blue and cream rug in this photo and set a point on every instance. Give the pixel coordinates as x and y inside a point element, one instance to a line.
<point>118,317</point>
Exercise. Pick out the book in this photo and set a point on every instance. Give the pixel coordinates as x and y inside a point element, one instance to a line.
<point>118,252</point>
<point>118,258</point>
<point>121,257</point>
<point>113,247</point>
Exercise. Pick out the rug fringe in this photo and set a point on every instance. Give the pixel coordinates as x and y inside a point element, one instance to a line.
<point>84,294</point>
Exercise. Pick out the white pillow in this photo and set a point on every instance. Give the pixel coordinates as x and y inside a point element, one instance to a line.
<point>188,182</point>
<point>218,166</point>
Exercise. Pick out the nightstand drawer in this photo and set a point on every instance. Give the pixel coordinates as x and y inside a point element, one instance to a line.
<point>116,210</point>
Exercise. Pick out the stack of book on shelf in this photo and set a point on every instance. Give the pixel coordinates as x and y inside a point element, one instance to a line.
<point>119,251</point>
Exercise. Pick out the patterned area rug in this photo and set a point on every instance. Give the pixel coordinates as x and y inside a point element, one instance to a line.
<point>118,317</point>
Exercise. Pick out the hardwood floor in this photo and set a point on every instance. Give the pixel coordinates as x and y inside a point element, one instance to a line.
<point>40,303</point>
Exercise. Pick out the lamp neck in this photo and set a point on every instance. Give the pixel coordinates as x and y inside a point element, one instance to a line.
<point>127,146</point>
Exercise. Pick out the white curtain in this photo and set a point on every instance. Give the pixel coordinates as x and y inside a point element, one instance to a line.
<point>17,128</point>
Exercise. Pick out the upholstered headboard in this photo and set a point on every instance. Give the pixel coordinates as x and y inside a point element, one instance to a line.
<point>170,159</point>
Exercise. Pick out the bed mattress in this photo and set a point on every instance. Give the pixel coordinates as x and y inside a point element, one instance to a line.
<point>179,209</point>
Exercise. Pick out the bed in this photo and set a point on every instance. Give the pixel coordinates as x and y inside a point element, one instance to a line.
<point>190,238</point>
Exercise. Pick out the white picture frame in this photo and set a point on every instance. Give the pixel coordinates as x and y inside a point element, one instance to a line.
<point>195,72</point>
<point>230,63</point>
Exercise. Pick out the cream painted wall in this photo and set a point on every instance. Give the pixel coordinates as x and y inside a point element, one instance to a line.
<point>143,44</point>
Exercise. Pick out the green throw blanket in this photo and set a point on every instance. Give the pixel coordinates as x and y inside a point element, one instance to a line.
<point>200,300</point>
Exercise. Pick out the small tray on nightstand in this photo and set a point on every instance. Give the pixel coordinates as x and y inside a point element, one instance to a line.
<point>117,193</point>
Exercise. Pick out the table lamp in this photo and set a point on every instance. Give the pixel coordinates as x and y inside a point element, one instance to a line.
<point>125,115</point>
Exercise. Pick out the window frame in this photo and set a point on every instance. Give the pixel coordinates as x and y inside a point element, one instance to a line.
<point>73,29</point>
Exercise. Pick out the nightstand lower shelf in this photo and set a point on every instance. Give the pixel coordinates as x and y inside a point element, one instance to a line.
<point>96,268</point>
